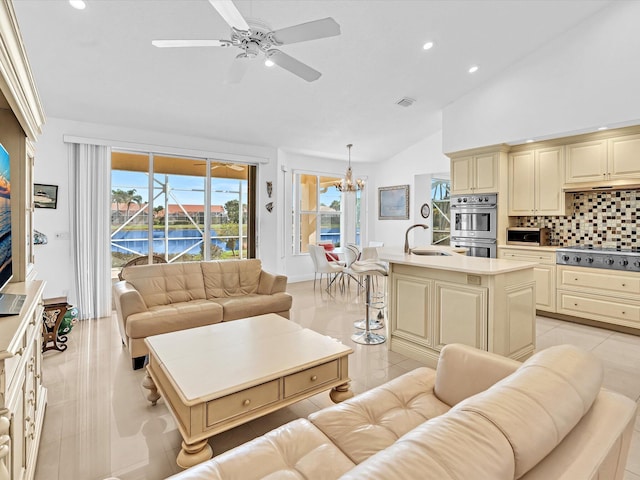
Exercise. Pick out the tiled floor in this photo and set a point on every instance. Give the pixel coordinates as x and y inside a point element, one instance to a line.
<point>99,424</point>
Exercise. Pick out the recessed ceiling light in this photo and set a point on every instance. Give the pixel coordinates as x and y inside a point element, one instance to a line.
<point>603,128</point>
<point>269,63</point>
<point>428,46</point>
<point>530,141</point>
<point>473,69</point>
<point>78,4</point>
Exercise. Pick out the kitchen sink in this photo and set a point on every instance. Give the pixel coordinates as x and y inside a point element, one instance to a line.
<point>430,253</point>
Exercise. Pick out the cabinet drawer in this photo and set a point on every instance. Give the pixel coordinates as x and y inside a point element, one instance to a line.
<point>548,258</point>
<point>599,308</point>
<point>242,402</point>
<point>599,282</point>
<point>311,378</point>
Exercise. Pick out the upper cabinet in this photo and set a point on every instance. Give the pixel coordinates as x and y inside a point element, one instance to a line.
<point>535,182</point>
<point>475,174</point>
<point>607,159</point>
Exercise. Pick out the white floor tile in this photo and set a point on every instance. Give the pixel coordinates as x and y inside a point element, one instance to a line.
<point>99,422</point>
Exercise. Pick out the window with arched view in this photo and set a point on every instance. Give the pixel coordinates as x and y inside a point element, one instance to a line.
<point>177,209</point>
<point>441,210</point>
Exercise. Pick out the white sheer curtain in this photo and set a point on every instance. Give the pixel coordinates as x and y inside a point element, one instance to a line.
<point>90,227</point>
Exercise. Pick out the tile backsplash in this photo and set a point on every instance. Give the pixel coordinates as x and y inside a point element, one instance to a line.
<point>602,219</point>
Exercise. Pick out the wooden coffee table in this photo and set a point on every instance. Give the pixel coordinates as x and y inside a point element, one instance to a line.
<point>217,377</point>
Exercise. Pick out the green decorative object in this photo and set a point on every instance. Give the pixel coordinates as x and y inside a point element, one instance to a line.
<point>68,321</point>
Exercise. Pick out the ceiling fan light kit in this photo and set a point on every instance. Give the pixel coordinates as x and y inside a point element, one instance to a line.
<point>348,184</point>
<point>255,37</point>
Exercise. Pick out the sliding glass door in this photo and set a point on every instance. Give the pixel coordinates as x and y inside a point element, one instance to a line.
<point>181,209</point>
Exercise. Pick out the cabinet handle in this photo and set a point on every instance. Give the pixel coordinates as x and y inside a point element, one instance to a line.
<point>575,304</point>
<point>246,402</point>
<point>20,351</point>
<point>32,322</point>
<point>624,284</point>
<point>623,312</point>
<point>314,378</point>
<point>576,279</point>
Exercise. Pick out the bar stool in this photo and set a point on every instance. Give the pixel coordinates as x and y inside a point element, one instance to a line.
<point>368,270</point>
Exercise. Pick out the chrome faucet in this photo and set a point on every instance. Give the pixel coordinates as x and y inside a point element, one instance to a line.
<point>406,235</point>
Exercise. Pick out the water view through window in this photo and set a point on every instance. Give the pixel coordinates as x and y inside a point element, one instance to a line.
<point>180,209</point>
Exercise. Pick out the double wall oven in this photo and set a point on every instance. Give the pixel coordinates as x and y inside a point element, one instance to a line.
<point>474,224</point>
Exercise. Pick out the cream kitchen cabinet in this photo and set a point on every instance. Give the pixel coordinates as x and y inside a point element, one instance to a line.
<point>430,306</point>
<point>22,396</point>
<point>608,296</point>
<point>604,160</point>
<point>535,182</point>
<point>544,273</point>
<point>475,174</point>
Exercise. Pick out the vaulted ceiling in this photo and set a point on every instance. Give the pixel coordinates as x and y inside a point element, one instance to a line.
<point>98,65</point>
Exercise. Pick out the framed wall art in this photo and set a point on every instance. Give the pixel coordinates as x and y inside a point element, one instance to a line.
<point>45,196</point>
<point>393,202</point>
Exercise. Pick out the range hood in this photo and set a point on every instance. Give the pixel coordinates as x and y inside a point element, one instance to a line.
<point>624,184</point>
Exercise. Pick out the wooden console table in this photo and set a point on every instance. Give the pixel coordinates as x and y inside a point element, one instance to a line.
<point>54,311</point>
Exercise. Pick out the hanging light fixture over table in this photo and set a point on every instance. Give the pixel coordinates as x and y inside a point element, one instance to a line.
<point>347,184</point>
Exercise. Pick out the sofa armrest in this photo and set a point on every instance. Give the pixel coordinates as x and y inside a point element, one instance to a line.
<point>463,371</point>
<point>270,283</point>
<point>127,300</point>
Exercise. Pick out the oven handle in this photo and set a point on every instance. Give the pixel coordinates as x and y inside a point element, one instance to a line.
<point>474,207</point>
<point>482,241</point>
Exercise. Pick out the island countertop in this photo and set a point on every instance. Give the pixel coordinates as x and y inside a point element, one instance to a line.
<point>453,261</point>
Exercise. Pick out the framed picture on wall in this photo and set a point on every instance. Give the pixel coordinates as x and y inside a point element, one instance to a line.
<point>45,196</point>
<point>393,202</point>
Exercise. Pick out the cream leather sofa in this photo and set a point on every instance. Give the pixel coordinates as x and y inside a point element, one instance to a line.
<point>161,298</point>
<point>478,417</point>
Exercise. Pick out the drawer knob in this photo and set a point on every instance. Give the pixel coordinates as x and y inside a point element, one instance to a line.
<point>314,378</point>
<point>575,304</point>
<point>624,284</point>
<point>623,312</point>
<point>246,402</point>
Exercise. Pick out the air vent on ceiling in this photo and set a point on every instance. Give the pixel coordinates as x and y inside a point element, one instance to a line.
<point>405,102</point>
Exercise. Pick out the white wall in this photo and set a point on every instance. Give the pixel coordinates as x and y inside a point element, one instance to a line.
<point>54,260</point>
<point>584,79</point>
<point>414,167</point>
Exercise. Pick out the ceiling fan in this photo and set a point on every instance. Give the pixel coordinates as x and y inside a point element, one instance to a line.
<point>254,38</point>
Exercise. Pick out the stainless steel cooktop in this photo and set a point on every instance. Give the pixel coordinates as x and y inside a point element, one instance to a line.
<point>597,257</point>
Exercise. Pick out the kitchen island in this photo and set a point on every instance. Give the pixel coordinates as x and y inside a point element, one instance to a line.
<point>437,296</point>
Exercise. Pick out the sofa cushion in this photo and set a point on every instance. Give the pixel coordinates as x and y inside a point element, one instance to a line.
<point>174,317</point>
<point>231,279</point>
<point>456,446</point>
<point>253,304</point>
<point>583,454</point>
<point>162,284</point>
<point>539,404</point>
<point>373,420</point>
<point>295,451</point>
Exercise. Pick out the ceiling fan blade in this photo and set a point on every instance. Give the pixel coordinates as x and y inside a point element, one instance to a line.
<point>294,66</point>
<point>327,27</point>
<point>230,13</point>
<point>190,43</point>
<point>237,70</point>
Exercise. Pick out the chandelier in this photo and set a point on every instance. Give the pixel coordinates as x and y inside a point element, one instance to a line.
<point>347,184</point>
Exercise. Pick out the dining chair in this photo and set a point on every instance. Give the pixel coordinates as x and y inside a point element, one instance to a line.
<point>322,266</point>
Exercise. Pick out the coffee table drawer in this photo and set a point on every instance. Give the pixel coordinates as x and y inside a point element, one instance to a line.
<point>242,402</point>
<point>311,378</point>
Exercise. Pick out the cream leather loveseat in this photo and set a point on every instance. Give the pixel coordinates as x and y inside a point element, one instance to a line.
<point>478,417</point>
<point>161,298</point>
